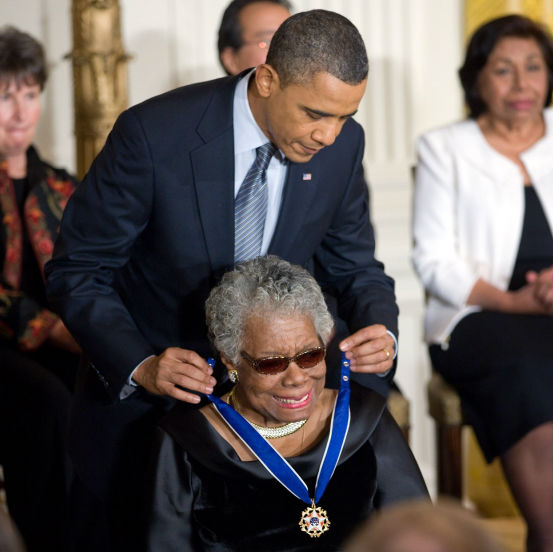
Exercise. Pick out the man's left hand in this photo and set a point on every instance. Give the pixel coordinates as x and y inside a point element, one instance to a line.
<point>370,349</point>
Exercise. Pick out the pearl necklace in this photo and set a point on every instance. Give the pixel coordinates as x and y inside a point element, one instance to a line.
<point>268,432</point>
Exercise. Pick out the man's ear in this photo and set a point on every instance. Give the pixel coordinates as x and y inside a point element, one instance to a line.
<point>228,59</point>
<point>266,80</point>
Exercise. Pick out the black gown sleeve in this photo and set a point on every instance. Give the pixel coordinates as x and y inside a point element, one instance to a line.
<point>169,526</point>
<point>397,472</point>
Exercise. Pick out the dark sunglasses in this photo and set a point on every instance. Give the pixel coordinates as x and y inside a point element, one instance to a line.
<point>276,364</point>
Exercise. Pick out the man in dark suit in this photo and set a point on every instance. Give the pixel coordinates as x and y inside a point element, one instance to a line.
<point>152,228</point>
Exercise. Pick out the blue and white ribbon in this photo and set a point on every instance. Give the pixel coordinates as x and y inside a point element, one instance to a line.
<point>274,462</point>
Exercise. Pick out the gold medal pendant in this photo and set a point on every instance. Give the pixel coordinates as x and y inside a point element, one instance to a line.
<point>314,521</point>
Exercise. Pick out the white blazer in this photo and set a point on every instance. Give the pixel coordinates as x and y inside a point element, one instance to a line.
<point>467,216</point>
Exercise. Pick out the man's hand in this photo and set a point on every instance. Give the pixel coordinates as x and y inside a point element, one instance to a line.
<point>370,349</point>
<point>543,287</point>
<point>161,374</point>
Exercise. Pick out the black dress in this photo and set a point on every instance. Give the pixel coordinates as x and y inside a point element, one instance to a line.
<point>206,499</point>
<point>502,364</point>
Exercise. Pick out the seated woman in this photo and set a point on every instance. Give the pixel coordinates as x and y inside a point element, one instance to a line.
<point>483,218</point>
<point>38,357</point>
<point>221,480</point>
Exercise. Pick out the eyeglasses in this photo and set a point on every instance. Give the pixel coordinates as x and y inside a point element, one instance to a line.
<point>272,365</point>
<point>262,44</point>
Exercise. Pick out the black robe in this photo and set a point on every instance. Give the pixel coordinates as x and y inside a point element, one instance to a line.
<point>206,499</point>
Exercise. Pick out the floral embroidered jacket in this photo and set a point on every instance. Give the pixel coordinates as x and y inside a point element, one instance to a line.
<point>23,318</point>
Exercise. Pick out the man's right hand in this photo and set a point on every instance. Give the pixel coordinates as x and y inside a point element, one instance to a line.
<point>161,374</point>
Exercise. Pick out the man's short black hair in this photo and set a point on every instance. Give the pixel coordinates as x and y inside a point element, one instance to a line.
<point>484,40</point>
<point>21,58</point>
<point>317,41</point>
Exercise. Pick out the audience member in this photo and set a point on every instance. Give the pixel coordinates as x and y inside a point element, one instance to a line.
<point>152,228</point>
<point>246,30</point>
<point>483,219</point>
<point>37,354</point>
<point>418,526</point>
<point>269,323</point>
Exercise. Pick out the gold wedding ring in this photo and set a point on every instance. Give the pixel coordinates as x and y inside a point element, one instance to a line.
<point>387,353</point>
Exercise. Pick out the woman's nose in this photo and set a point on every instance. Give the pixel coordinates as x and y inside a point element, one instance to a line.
<point>520,78</point>
<point>294,375</point>
<point>18,109</point>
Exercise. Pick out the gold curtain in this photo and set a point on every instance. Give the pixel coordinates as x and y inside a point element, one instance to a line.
<point>479,11</point>
<point>99,75</point>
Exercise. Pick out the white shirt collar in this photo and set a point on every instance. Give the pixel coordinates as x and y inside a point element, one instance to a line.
<point>247,134</point>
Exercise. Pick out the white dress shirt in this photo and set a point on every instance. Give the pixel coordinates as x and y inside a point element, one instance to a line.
<point>247,138</point>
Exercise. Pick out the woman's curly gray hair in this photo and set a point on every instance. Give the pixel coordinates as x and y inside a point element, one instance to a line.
<point>264,286</point>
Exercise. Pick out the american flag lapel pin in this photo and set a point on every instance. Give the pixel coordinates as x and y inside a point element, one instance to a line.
<point>306,176</point>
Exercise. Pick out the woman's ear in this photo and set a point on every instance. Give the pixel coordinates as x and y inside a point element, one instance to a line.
<point>228,364</point>
<point>231,369</point>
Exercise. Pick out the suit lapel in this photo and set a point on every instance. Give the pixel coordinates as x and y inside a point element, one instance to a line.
<point>298,194</point>
<point>213,167</point>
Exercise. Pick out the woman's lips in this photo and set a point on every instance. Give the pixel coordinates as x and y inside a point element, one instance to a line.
<point>17,131</point>
<point>522,104</point>
<point>294,402</point>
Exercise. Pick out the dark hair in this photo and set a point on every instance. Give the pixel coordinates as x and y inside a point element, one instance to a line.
<point>484,40</point>
<point>21,58</point>
<point>318,41</point>
<point>230,31</point>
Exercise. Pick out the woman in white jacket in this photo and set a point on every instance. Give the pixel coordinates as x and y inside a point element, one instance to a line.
<point>483,219</point>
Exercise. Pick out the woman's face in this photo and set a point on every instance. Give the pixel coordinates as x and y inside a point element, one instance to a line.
<point>290,395</point>
<point>19,114</point>
<point>513,83</point>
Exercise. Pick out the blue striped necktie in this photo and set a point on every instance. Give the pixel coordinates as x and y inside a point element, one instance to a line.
<point>250,207</point>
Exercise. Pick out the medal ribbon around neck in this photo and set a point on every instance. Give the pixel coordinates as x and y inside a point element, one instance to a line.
<point>314,521</point>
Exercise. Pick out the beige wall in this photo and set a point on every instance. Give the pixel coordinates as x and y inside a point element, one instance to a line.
<point>414,49</point>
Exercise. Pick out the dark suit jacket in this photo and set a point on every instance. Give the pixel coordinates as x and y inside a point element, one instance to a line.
<point>151,230</point>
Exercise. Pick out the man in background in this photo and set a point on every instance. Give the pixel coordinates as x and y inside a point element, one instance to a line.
<point>246,30</point>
